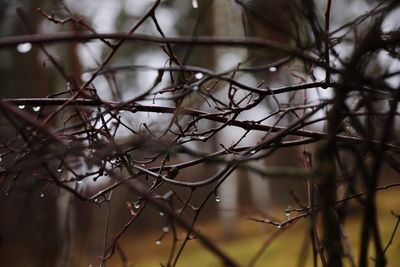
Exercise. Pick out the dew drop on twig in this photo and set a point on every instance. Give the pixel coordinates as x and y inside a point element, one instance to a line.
<point>24,48</point>
<point>158,242</point>
<point>36,109</point>
<point>199,75</point>
<point>272,69</point>
<point>21,106</point>
<point>86,76</point>
<point>217,198</point>
<point>202,138</point>
<point>287,212</point>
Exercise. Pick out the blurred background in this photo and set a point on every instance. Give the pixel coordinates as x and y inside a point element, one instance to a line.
<point>41,225</point>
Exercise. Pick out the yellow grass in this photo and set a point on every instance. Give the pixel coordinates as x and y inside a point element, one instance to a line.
<point>284,251</point>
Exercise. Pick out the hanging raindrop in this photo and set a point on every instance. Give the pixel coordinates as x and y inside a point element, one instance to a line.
<point>24,48</point>
<point>165,229</point>
<point>195,4</point>
<point>287,212</point>
<point>158,242</point>
<point>86,76</point>
<point>21,106</point>
<point>202,138</point>
<point>217,198</point>
<point>199,75</point>
<point>161,213</point>
<point>36,109</point>
<point>272,69</point>
<point>59,170</point>
<point>42,194</point>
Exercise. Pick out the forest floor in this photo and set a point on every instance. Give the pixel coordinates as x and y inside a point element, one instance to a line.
<point>290,248</point>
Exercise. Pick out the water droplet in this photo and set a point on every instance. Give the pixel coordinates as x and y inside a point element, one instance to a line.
<point>113,160</point>
<point>59,170</point>
<point>1,158</point>
<point>68,86</point>
<point>21,106</point>
<point>253,152</point>
<point>279,226</point>
<point>195,4</point>
<point>136,205</point>
<point>158,242</point>
<point>165,229</point>
<point>272,69</point>
<point>217,199</point>
<point>287,214</point>
<point>161,213</point>
<point>195,87</point>
<point>96,200</point>
<point>42,194</point>
<point>24,48</point>
<point>121,111</point>
<point>86,76</point>
<point>267,220</point>
<point>199,75</point>
<point>202,137</point>
<point>36,109</point>
<point>191,237</point>
<point>79,181</point>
